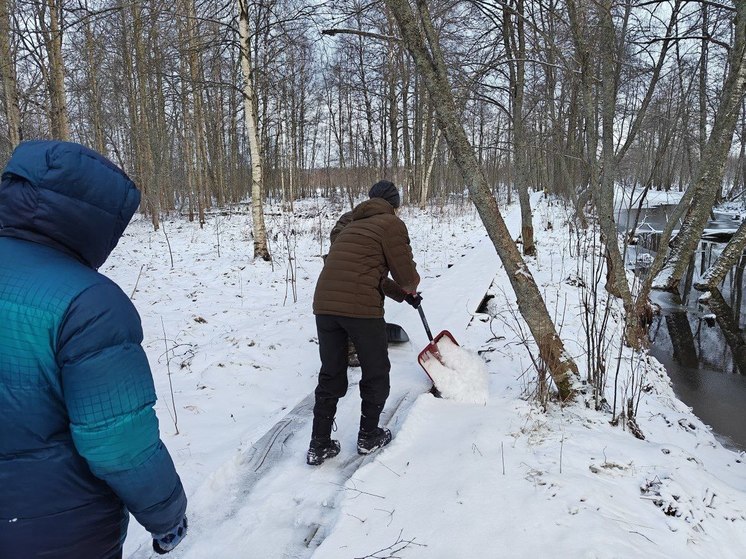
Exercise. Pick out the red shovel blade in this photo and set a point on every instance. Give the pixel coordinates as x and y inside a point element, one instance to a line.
<point>431,351</point>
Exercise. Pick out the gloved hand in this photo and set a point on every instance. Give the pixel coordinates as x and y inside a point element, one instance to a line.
<point>163,543</point>
<point>413,299</point>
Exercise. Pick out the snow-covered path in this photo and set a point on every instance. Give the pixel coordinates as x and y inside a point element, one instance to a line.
<point>266,500</point>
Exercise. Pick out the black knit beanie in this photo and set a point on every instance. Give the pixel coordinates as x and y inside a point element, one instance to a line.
<point>387,191</point>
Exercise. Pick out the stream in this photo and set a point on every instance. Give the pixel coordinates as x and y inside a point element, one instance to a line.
<point>702,346</point>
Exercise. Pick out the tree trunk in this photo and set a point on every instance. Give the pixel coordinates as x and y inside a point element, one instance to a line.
<point>577,16</point>
<point>186,130</point>
<point>8,76</point>
<point>616,278</point>
<point>142,138</point>
<point>712,166</point>
<point>392,80</point>
<point>429,61</point>
<point>96,115</point>
<point>52,35</point>
<point>198,119</point>
<point>427,151</point>
<point>704,47</point>
<point>371,155</point>
<point>427,176</point>
<point>261,250</point>
<point>406,131</point>
<point>515,47</point>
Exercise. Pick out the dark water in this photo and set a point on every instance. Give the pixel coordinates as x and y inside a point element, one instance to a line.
<point>703,347</point>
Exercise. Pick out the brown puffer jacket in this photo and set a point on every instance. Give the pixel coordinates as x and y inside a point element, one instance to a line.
<point>355,274</point>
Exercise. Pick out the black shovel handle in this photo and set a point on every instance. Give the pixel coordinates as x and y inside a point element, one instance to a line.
<point>424,322</point>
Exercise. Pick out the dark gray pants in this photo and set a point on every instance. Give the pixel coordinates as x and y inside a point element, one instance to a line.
<point>369,337</point>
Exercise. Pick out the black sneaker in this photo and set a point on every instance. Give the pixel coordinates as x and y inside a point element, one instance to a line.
<point>368,441</point>
<point>320,450</point>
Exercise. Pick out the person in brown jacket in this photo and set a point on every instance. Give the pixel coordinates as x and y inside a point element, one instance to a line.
<point>390,287</point>
<point>348,304</point>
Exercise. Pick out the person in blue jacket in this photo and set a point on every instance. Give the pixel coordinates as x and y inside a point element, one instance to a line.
<point>79,442</point>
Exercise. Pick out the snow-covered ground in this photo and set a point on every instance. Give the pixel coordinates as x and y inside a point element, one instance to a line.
<point>232,344</point>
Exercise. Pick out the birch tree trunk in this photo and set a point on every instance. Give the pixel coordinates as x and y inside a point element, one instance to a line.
<point>712,165</point>
<point>261,250</point>
<point>8,76</point>
<point>429,61</point>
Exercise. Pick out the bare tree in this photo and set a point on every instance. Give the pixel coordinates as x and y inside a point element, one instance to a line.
<point>604,195</point>
<point>709,177</point>
<point>610,44</point>
<point>420,39</point>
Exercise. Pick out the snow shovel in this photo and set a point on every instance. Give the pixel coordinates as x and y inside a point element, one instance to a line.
<point>431,354</point>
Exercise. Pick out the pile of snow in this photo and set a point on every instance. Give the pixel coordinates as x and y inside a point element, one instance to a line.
<point>459,374</point>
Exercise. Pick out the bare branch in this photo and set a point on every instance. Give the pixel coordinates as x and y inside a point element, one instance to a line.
<point>370,34</point>
<point>399,545</point>
<point>709,38</point>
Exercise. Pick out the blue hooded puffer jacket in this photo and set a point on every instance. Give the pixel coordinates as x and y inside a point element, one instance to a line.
<point>79,440</point>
